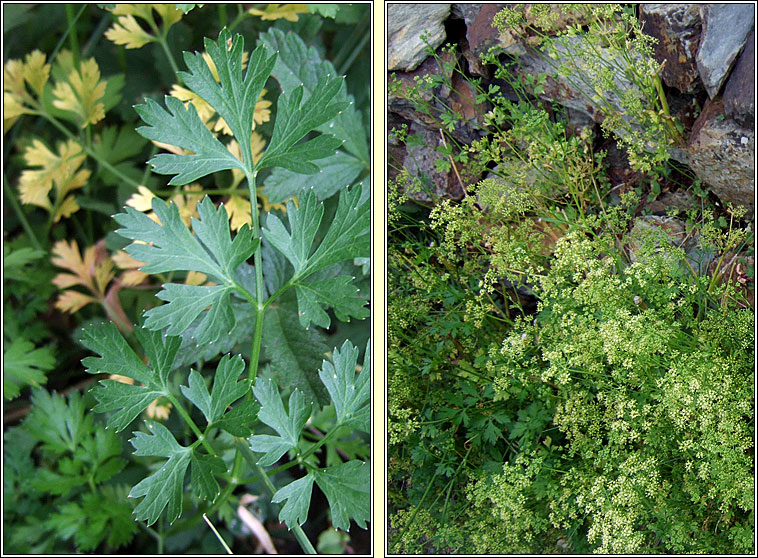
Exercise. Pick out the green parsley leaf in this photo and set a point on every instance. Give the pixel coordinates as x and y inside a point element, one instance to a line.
<point>172,248</point>
<point>239,419</point>
<point>226,389</point>
<point>287,425</point>
<point>294,120</point>
<point>298,499</point>
<point>232,97</point>
<point>348,237</point>
<point>23,364</point>
<point>101,517</point>
<point>59,424</point>
<point>295,353</point>
<point>337,171</point>
<point>299,64</point>
<point>205,468</point>
<point>164,488</point>
<point>182,127</point>
<point>350,393</point>
<point>348,490</point>
<point>117,357</point>
<point>337,292</point>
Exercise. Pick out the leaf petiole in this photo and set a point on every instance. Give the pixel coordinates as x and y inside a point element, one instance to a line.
<point>185,415</point>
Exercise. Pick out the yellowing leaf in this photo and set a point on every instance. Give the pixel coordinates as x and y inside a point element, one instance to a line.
<point>132,278</point>
<point>66,209</point>
<point>168,14</point>
<point>103,274</point>
<point>139,10</point>
<point>262,113</point>
<point>13,78</point>
<point>125,261</point>
<point>159,409</point>
<point>126,31</point>
<point>36,72</point>
<point>16,75</point>
<point>73,301</point>
<point>204,110</point>
<point>13,107</point>
<point>82,93</point>
<point>280,11</point>
<point>68,257</point>
<point>267,206</point>
<point>195,278</point>
<point>187,203</point>
<point>59,170</point>
<point>141,201</point>
<point>238,209</point>
<point>257,145</point>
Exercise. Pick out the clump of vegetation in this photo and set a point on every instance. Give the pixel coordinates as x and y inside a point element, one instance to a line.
<point>218,295</point>
<point>563,376</point>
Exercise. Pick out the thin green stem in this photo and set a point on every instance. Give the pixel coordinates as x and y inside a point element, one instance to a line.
<point>258,266</point>
<point>354,54</point>
<point>300,535</point>
<point>87,150</point>
<point>72,37</point>
<point>164,45</point>
<point>188,419</point>
<point>415,511</point>
<point>11,195</point>
<point>321,442</point>
<point>222,18</point>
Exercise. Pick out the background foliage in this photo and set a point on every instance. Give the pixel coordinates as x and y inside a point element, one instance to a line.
<point>563,376</point>
<point>72,160</point>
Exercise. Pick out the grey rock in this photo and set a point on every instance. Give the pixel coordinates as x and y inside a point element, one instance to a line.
<point>481,35</point>
<point>681,201</point>
<point>722,155</point>
<point>667,230</point>
<point>461,99</point>
<point>677,28</point>
<point>428,184</point>
<point>739,91</point>
<point>466,12</point>
<point>405,25</point>
<point>725,29</point>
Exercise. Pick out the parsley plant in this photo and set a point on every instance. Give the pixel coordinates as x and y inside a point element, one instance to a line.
<point>292,283</point>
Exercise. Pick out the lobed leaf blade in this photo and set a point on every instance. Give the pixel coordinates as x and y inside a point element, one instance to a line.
<point>164,488</point>
<point>350,393</point>
<point>226,389</point>
<point>287,425</point>
<point>348,489</point>
<point>183,128</point>
<point>298,500</point>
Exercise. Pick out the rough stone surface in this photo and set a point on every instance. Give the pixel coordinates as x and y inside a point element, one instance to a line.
<point>398,103</point>
<point>481,35</point>
<point>461,98</point>
<point>739,91</point>
<point>725,29</point>
<point>420,161</point>
<point>721,153</point>
<point>674,233</point>
<point>681,201</point>
<point>677,28</point>
<point>405,25</point>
